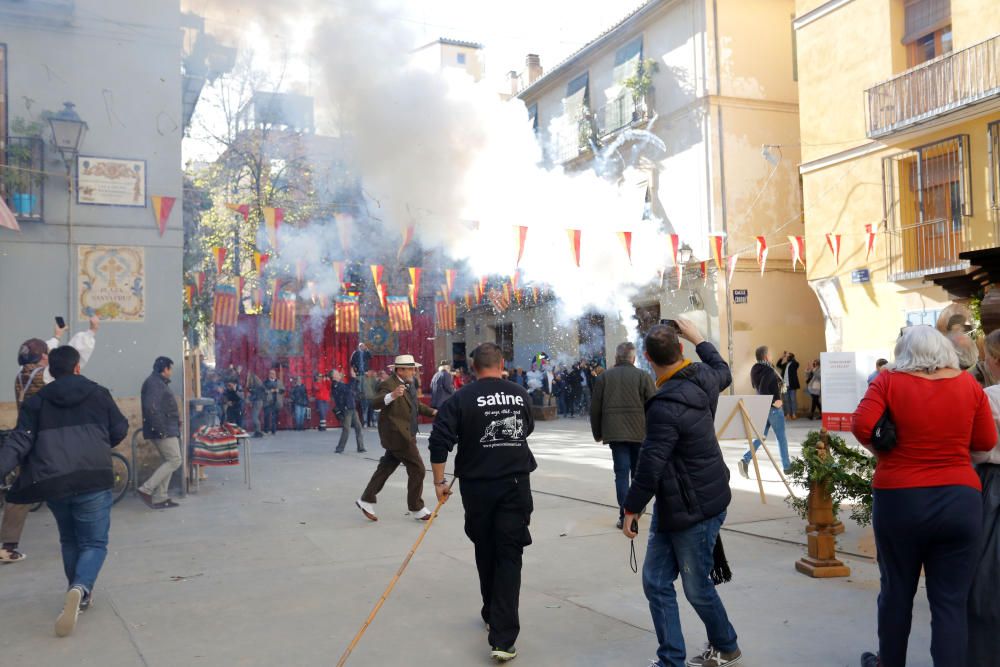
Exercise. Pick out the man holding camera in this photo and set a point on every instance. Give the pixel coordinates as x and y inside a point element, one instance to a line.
<point>681,465</point>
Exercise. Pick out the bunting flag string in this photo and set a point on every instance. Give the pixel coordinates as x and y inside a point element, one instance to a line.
<point>449,281</point>
<point>574,244</point>
<point>519,296</point>
<point>521,235</point>
<point>347,315</point>
<point>345,228</point>
<point>833,242</point>
<point>7,218</point>
<point>260,260</point>
<point>626,239</point>
<point>798,244</point>
<point>675,246</point>
<point>161,210</point>
<point>407,238</point>
<point>381,292</point>
<point>219,253</point>
<point>716,241</point>
<point>283,310</point>
<point>732,266</point>
<point>415,272</point>
<point>273,217</point>
<point>242,209</point>
<point>225,307</point>
<point>399,313</point>
<point>761,253</point>
<point>377,271</point>
<point>870,245</point>
<point>199,283</point>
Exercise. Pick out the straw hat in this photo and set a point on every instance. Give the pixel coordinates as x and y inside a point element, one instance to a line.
<point>406,361</point>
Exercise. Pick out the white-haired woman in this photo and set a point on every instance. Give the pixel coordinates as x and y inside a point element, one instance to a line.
<point>927,501</point>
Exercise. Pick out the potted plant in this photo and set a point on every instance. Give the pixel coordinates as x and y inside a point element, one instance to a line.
<point>21,175</point>
<point>640,85</point>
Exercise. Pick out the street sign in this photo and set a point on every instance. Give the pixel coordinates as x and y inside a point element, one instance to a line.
<point>741,296</point>
<point>861,276</point>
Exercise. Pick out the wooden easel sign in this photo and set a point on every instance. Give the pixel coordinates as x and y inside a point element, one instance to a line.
<point>744,418</point>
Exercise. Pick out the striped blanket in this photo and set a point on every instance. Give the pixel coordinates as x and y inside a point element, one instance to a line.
<point>217,445</point>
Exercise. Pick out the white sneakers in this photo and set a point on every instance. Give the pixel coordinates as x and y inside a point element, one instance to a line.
<point>66,622</point>
<point>421,515</point>
<point>367,509</point>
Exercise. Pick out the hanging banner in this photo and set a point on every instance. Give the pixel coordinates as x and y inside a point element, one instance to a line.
<point>574,244</point>
<point>870,245</point>
<point>626,239</point>
<point>407,238</point>
<point>520,236</point>
<point>445,315</point>
<point>704,272</point>
<point>380,290</point>
<point>219,253</point>
<point>468,300</point>
<point>347,315</point>
<point>161,210</point>
<point>199,281</point>
<point>675,245</point>
<point>798,244</point>
<point>242,209</point>
<point>377,271</point>
<point>399,313</point>
<point>499,299</point>
<point>273,217</point>
<point>449,281</point>
<point>414,284</point>
<point>833,242</point>
<point>715,242</point>
<point>225,308</point>
<point>283,310</point>
<point>761,253</point>
<point>260,260</point>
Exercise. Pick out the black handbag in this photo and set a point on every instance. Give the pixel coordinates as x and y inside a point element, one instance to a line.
<point>884,433</point>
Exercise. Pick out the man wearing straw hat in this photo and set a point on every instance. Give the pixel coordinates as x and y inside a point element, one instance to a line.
<point>397,429</point>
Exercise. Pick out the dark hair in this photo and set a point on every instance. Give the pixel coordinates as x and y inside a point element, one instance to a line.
<point>487,355</point>
<point>624,353</point>
<point>761,353</point>
<point>881,362</point>
<point>31,351</point>
<point>63,361</point>
<point>663,346</point>
<point>163,363</point>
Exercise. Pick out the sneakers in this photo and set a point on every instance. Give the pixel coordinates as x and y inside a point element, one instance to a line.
<point>869,659</point>
<point>367,509</point>
<point>741,465</point>
<point>422,515</point>
<point>712,657</point>
<point>66,622</point>
<point>88,599</point>
<point>503,654</point>
<point>620,524</point>
<point>146,498</point>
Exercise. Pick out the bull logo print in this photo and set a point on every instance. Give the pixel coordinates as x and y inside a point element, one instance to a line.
<point>509,428</point>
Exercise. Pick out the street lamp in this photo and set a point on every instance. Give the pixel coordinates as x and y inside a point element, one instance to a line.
<point>67,131</point>
<point>685,254</point>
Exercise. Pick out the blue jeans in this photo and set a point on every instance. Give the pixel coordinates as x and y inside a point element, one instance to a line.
<point>299,415</point>
<point>625,456</point>
<point>776,421</point>
<point>84,521</point>
<point>791,404</point>
<point>687,553</point>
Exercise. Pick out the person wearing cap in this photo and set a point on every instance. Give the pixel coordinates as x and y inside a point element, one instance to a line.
<point>33,374</point>
<point>161,425</point>
<point>397,429</point>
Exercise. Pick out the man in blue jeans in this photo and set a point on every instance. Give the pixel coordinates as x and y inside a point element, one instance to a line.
<point>63,444</point>
<point>765,381</point>
<point>681,465</point>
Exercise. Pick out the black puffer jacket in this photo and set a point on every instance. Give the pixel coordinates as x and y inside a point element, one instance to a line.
<point>63,441</point>
<point>680,462</point>
<point>161,418</point>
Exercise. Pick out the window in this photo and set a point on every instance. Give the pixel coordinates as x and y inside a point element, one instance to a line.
<point>927,198</point>
<point>928,30</point>
<point>533,116</point>
<point>577,98</point>
<point>627,60</point>
<point>460,58</point>
<point>993,152</point>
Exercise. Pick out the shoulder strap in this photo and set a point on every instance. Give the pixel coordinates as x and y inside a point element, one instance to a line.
<point>23,388</point>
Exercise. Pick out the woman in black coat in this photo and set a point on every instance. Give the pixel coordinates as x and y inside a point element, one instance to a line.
<point>792,386</point>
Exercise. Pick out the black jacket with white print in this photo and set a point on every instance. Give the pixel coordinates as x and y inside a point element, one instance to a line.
<point>490,420</point>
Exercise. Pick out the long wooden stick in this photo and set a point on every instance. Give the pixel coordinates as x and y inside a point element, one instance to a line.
<point>767,451</point>
<point>749,429</point>
<point>392,583</point>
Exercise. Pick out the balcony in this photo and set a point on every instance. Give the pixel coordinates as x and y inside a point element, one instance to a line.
<point>946,84</point>
<point>22,183</point>
<point>929,247</point>
<point>593,128</point>
<point>624,111</point>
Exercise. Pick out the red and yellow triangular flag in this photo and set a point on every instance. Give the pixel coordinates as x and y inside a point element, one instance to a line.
<point>273,217</point>
<point>715,242</point>
<point>574,244</point>
<point>219,253</point>
<point>161,210</point>
<point>520,236</point>
<point>626,239</point>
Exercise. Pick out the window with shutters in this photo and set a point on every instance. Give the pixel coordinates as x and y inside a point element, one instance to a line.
<point>993,151</point>
<point>928,30</point>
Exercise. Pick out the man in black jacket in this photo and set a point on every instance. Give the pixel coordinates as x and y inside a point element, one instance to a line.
<point>766,381</point>
<point>490,420</point>
<point>681,465</point>
<point>63,444</point>
<point>161,425</point>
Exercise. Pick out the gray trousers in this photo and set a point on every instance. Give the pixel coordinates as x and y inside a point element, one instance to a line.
<point>256,410</point>
<point>159,481</point>
<point>349,419</point>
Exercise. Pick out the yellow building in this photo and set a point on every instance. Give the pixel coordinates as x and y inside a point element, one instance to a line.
<point>724,104</point>
<point>447,54</point>
<point>900,122</point>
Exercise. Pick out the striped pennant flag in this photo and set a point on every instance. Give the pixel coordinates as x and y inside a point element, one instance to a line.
<point>219,253</point>
<point>283,310</point>
<point>347,315</point>
<point>226,306</point>
<point>399,313</point>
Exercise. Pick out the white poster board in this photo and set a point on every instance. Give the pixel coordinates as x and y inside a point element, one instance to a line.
<point>844,381</point>
<point>758,407</point>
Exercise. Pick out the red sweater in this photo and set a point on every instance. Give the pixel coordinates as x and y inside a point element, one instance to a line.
<point>321,389</point>
<point>937,422</point>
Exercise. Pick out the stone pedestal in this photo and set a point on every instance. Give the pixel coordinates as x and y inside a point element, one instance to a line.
<point>821,561</point>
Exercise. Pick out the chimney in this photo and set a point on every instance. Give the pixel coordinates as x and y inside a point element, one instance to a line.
<point>515,82</point>
<point>534,66</point>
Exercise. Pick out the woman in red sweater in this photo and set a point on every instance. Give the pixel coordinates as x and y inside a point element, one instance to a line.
<point>927,505</point>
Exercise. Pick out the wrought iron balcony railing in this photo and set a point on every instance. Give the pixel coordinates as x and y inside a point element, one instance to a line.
<point>945,84</point>
<point>620,113</point>
<point>22,182</point>
<point>928,247</point>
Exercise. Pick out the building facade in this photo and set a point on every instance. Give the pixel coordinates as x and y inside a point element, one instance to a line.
<point>91,241</point>
<point>710,87</point>
<point>901,136</point>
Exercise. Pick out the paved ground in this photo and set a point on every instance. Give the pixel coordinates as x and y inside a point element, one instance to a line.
<point>285,574</point>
